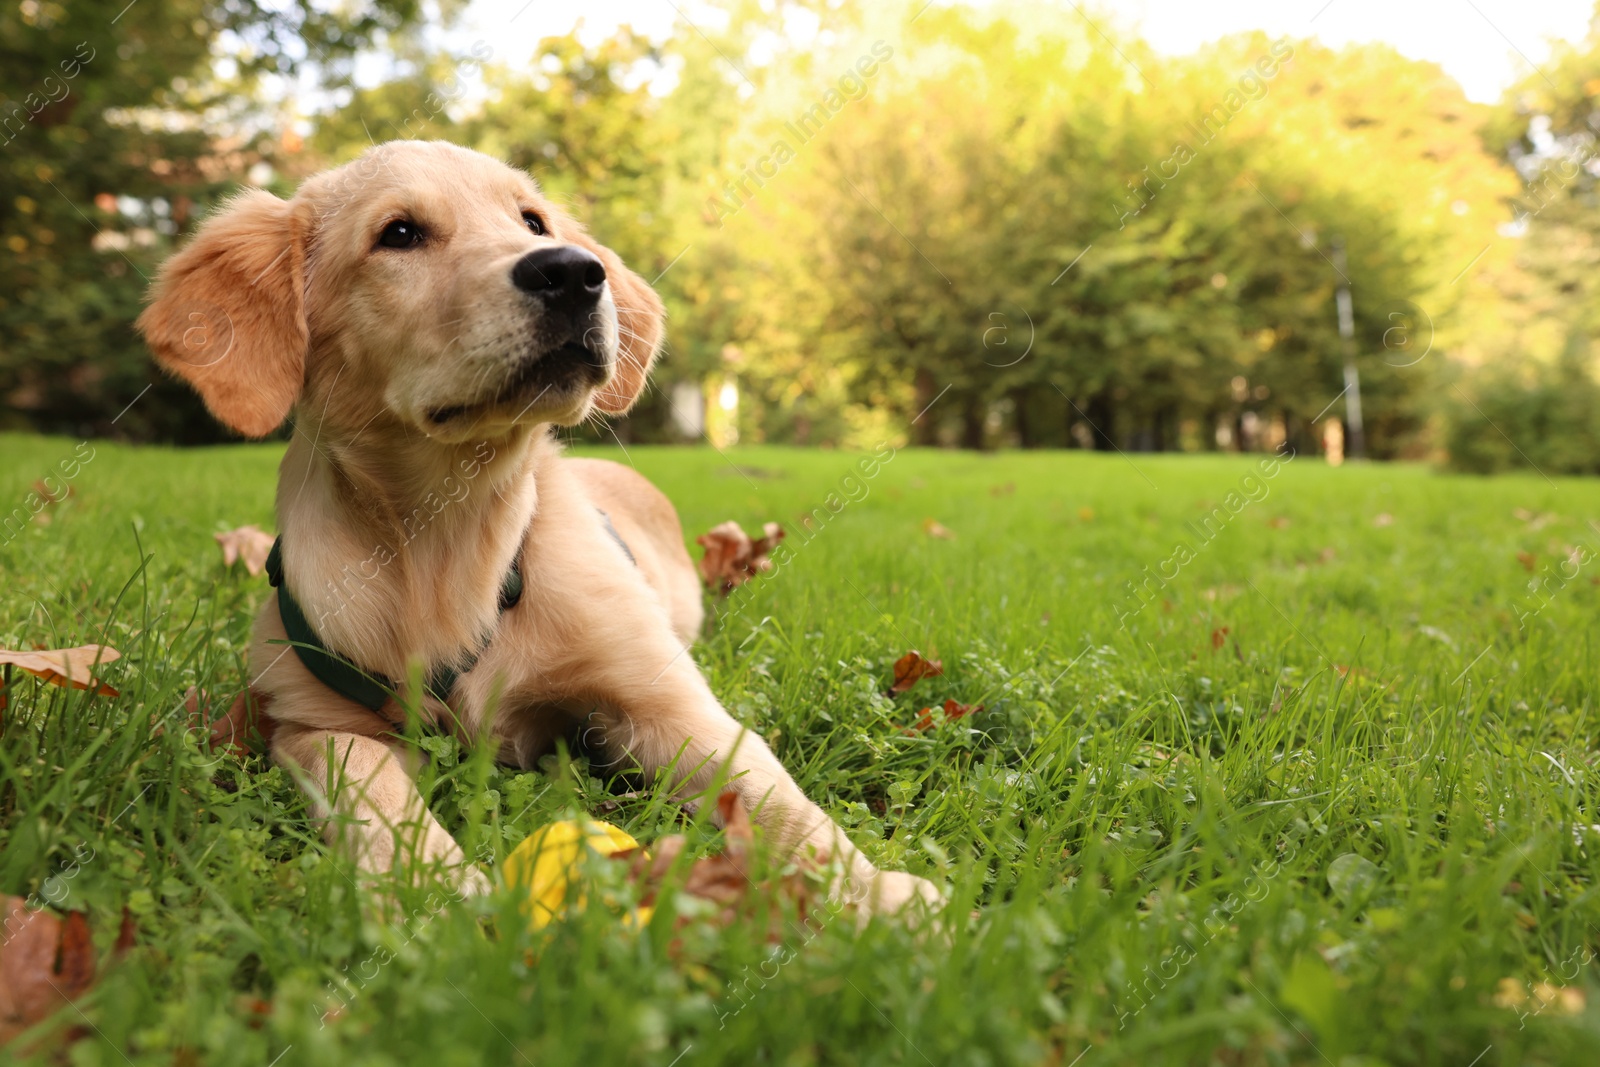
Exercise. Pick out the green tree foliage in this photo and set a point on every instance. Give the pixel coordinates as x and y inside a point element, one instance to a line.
<point>1531,396</point>
<point>1017,214</point>
<point>110,123</point>
<point>1160,230</point>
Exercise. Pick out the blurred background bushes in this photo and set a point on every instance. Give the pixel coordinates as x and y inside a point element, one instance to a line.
<point>1053,240</point>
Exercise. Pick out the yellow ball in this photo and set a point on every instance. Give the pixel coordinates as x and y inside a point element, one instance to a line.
<point>549,860</point>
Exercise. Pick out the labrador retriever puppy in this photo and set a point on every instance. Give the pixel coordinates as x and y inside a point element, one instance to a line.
<point>428,316</point>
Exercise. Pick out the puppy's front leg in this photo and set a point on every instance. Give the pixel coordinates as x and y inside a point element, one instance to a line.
<point>373,811</point>
<point>677,712</point>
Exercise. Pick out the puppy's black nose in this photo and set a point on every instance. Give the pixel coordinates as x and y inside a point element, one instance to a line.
<point>567,276</point>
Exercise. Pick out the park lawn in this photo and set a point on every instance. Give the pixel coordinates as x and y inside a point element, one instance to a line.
<point>1327,799</point>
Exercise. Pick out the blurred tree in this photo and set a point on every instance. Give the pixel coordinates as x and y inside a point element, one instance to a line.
<point>1165,252</point>
<point>1532,378</point>
<point>121,124</point>
<point>966,226</point>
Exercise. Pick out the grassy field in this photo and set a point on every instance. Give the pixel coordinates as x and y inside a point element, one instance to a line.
<point>1326,798</point>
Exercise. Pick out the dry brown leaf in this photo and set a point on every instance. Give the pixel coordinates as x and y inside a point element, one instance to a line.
<point>253,1010</point>
<point>723,878</point>
<point>910,669</point>
<point>934,528</point>
<point>45,962</point>
<point>249,543</point>
<point>732,557</point>
<point>69,667</point>
<point>952,711</point>
<point>127,933</point>
<point>43,489</point>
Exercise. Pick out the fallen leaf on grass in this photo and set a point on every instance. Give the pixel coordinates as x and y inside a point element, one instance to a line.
<point>254,1010</point>
<point>70,667</point>
<point>934,528</point>
<point>44,962</point>
<point>1535,522</point>
<point>249,543</point>
<point>1527,560</point>
<point>50,497</point>
<point>723,878</point>
<point>127,933</point>
<point>952,711</point>
<point>732,557</point>
<point>910,669</point>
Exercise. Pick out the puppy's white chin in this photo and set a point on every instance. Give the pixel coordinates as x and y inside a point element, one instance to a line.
<point>477,425</point>
<point>576,415</point>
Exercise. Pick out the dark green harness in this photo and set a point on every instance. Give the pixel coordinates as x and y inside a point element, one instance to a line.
<point>370,690</point>
<point>336,672</point>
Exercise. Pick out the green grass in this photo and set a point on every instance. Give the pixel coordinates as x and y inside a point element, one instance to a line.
<point>1326,835</point>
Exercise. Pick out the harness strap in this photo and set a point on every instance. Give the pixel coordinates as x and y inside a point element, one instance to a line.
<point>340,674</point>
<point>366,688</point>
<point>605,520</point>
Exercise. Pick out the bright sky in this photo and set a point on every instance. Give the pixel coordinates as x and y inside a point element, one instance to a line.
<point>1477,41</point>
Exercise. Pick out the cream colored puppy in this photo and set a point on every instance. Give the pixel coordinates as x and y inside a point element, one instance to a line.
<point>428,316</point>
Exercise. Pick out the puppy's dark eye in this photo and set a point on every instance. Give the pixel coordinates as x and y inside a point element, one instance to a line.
<point>401,233</point>
<point>535,223</point>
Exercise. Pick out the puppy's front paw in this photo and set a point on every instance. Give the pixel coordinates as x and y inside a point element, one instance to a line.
<point>895,892</point>
<point>470,881</point>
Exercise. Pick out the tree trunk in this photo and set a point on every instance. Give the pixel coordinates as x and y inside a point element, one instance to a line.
<point>972,418</point>
<point>1025,435</point>
<point>1166,428</point>
<point>1102,415</point>
<point>922,430</point>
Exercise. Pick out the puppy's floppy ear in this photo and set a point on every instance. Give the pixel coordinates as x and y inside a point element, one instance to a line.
<point>641,320</point>
<point>227,313</point>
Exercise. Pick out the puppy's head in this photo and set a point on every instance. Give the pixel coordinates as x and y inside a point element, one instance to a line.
<point>423,280</point>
